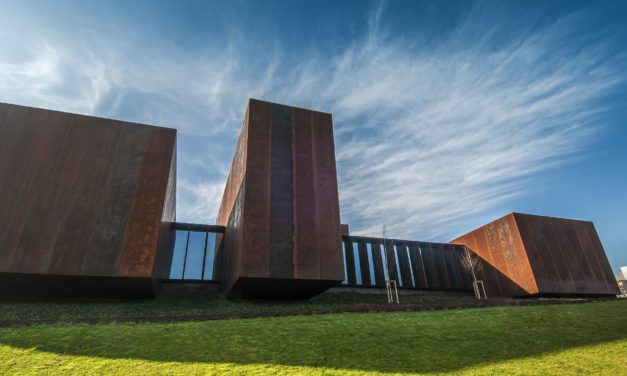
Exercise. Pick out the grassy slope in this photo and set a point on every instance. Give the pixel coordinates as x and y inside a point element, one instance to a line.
<point>173,303</point>
<point>562,339</point>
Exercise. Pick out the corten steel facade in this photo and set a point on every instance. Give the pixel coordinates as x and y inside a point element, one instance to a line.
<point>531,255</point>
<point>84,202</point>
<point>87,207</point>
<point>281,207</point>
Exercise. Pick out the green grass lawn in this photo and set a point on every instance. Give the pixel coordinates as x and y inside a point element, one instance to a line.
<point>175,303</point>
<point>556,339</point>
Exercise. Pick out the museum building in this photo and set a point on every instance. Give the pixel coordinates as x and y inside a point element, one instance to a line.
<point>87,208</point>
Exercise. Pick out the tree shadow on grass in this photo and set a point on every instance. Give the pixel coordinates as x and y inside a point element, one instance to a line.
<point>387,342</point>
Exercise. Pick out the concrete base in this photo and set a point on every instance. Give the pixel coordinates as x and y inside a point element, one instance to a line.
<point>65,286</point>
<point>169,286</point>
<point>374,290</point>
<point>279,288</point>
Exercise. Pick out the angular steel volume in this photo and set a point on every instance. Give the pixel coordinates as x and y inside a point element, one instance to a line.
<point>536,255</point>
<point>84,202</point>
<point>281,206</point>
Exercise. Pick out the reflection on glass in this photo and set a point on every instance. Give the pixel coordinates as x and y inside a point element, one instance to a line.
<point>421,272</point>
<point>345,281</point>
<point>411,268</point>
<point>384,257</point>
<point>373,281</point>
<point>398,267</point>
<point>178,254</point>
<point>209,256</point>
<point>357,266</point>
<point>195,255</point>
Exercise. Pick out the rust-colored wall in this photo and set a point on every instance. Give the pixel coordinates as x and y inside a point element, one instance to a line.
<point>507,271</point>
<point>566,256</point>
<point>528,255</point>
<point>165,245</point>
<point>280,205</point>
<point>82,196</point>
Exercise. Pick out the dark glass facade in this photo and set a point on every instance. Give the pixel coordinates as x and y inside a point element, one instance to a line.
<point>369,262</point>
<point>194,253</point>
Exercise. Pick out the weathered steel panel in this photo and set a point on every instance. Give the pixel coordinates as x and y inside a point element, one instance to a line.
<point>33,253</point>
<point>364,264</point>
<point>256,208</point>
<point>80,226</point>
<point>306,256</point>
<point>599,266</point>
<point>597,249</point>
<point>563,257</point>
<point>165,246</point>
<point>69,185</point>
<point>290,227</point>
<point>506,269</point>
<point>326,197</point>
<point>149,206</point>
<point>233,243</point>
<point>15,174</point>
<point>281,194</point>
<point>103,254</point>
<point>542,259</point>
<point>20,189</point>
<point>537,255</point>
<point>237,171</point>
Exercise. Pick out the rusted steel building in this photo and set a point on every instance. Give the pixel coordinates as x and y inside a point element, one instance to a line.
<point>85,203</point>
<point>280,206</point>
<point>531,255</point>
<point>88,208</point>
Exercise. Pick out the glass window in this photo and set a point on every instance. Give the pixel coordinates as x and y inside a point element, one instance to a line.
<point>357,266</point>
<point>398,267</point>
<point>411,267</point>
<point>178,254</point>
<point>345,281</point>
<point>209,256</point>
<point>384,258</point>
<point>195,255</point>
<point>373,281</point>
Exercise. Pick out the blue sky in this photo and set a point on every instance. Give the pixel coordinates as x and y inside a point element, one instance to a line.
<point>447,114</point>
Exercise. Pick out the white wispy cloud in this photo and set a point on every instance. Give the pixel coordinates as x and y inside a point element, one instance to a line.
<point>200,199</point>
<point>431,138</point>
<point>426,138</point>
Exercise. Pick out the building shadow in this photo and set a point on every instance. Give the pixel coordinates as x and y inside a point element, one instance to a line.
<point>440,341</point>
<point>496,283</point>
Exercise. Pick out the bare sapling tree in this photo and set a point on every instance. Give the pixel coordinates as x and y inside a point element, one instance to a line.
<point>390,285</point>
<point>473,265</point>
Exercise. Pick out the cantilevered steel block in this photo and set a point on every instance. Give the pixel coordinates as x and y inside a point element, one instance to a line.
<point>281,206</point>
<point>527,255</point>
<point>84,202</point>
